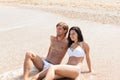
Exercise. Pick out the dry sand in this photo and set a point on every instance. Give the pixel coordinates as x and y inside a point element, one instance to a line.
<point>24,28</point>
<point>103,11</point>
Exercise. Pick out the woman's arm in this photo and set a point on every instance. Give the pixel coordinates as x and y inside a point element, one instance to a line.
<point>87,52</point>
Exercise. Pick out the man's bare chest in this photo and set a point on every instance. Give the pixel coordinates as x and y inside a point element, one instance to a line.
<point>59,45</point>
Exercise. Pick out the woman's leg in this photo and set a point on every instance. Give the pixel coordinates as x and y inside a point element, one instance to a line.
<point>63,70</point>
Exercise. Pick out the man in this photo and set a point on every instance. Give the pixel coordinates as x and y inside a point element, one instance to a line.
<point>57,50</point>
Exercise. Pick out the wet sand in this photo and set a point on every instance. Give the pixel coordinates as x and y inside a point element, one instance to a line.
<point>28,28</point>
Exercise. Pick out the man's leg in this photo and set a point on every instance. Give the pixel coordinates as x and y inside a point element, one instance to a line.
<point>40,75</point>
<point>64,78</point>
<point>32,58</point>
<point>43,73</point>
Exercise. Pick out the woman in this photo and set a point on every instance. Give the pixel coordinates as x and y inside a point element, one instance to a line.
<point>76,51</point>
<point>76,56</point>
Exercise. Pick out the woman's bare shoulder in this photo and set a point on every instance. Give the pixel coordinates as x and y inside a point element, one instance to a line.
<point>86,45</point>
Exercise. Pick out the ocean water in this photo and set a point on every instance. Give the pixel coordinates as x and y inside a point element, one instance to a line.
<point>16,74</point>
<point>11,17</point>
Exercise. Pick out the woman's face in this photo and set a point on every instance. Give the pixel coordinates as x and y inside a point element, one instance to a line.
<point>73,35</point>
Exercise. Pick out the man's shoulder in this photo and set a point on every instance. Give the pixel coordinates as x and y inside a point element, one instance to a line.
<point>52,37</point>
<point>66,40</point>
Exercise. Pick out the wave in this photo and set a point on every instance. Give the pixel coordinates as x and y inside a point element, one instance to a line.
<point>16,74</point>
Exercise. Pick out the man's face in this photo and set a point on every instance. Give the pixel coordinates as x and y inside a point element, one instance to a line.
<point>60,31</point>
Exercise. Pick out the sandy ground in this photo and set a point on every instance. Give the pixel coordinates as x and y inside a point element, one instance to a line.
<point>25,28</point>
<point>103,11</point>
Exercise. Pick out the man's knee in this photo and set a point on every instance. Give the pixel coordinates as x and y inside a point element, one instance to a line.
<point>30,55</point>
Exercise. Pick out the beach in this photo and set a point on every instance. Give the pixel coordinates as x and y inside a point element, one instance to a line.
<point>27,27</point>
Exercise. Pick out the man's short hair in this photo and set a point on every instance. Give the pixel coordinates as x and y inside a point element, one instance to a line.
<point>64,25</point>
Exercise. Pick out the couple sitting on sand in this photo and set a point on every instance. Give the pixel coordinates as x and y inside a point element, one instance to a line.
<point>49,67</point>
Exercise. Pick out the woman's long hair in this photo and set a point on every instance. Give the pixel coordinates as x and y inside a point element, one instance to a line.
<point>79,33</point>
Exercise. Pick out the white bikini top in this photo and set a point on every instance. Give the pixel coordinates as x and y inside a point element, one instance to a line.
<point>77,52</point>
